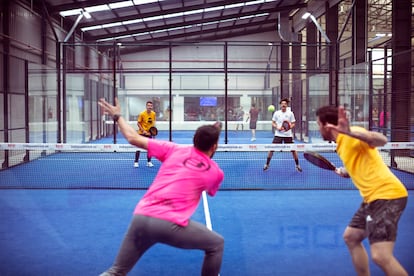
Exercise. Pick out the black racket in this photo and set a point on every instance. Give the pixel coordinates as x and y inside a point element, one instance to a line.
<point>321,162</point>
<point>318,160</point>
<point>286,125</point>
<point>153,131</point>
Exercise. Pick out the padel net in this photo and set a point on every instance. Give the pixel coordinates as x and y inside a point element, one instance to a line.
<point>110,166</point>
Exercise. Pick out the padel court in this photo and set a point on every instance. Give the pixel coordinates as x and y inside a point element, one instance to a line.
<point>68,185</point>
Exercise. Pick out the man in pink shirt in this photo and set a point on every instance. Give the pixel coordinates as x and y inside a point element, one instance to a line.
<point>163,214</point>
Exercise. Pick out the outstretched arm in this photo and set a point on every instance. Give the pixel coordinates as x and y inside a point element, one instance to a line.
<point>129,132</point>
<point>372,138</point>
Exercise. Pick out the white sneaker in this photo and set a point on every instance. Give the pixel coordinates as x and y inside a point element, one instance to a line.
<point>136,165</point>
<point>253,139</point>
<point>149,164</point>
<point>298,168</point>
<point>265,167</point>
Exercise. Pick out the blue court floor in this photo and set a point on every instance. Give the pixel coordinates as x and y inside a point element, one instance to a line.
<point>269,232</point>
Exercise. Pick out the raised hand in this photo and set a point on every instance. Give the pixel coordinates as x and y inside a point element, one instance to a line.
<point>111,109</point>
<point>372,138</point>
<point>343,123</point>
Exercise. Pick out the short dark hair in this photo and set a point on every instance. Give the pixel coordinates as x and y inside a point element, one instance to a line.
<point>328,114</point>
<point>205,137</point>
<point>148,102</point>
<point>284,100</point>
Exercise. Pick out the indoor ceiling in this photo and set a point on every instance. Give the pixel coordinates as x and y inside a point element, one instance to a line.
<point>171,20</point>
<point>131,21</point>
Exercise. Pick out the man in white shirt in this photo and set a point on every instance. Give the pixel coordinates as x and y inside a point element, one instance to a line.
<point>283,121</point>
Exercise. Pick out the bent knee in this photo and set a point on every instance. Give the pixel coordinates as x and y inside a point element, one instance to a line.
<point>378,258</point>
<point>382,253</point>
<point>218,244</point>
<point>353,236</point>
<point>382,259</point>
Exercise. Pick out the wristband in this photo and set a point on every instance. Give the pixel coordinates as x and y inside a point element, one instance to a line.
<point>116,117</point>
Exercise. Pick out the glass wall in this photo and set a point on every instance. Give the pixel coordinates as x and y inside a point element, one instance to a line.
<point>189,84</point>
<point>43,111</point>
<point>203,82</point>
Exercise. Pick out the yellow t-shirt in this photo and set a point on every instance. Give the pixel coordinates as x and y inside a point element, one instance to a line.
<point>369,173</point>
<point>146,120</point>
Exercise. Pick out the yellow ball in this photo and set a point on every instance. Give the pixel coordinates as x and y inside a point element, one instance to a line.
<point>271,108</point>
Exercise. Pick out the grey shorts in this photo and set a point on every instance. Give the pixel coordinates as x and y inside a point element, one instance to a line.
<point>379,218</point>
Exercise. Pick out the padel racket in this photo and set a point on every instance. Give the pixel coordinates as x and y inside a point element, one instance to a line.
<point>321,162</point>
<point>286,125</point>
<point>153,131</point>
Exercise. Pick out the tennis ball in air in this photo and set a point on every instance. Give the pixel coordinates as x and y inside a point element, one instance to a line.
<point>271,108</point>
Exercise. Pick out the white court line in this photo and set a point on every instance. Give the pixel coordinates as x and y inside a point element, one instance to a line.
<point>207,212</point>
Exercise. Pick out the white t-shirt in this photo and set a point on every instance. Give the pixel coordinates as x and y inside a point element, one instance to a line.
<point>279,117</point>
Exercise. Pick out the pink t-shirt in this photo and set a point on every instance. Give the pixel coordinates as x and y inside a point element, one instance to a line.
<point>184,174</point>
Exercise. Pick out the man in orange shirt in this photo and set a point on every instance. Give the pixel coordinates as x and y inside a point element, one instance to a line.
<point>145,120</point>
<point>384,196</point>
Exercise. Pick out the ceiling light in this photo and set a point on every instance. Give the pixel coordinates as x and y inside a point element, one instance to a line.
<point>133,21</point>
<point>91,28</point>
<point>234,5</point>
<point>110,25</point>
<point>191,12</point>
<point>172,15</point>
<point>255,2</point>
<point>157,17</point>
<point>306,15</point>
<point>104,7</point>
<point>121,5</point>
<point>70,12</point>
<point>213,9</point>
<point>140,2</point>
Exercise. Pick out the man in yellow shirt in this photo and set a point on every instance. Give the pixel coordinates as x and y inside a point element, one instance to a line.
<point>384,196</point>
<point>145,120</point>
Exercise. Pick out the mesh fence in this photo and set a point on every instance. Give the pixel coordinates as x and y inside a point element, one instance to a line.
<point>111,166</point>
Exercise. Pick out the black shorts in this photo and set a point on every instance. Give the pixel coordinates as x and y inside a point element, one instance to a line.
<point>379,218</point>
<point>279,140</point>
<point>252,124</point>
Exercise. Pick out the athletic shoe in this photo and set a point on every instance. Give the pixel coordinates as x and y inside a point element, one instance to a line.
<point>136,165</point>
<point>298,168</point>
<point>266,167</point>
<point>149,164</point>
<point>253,139</point>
